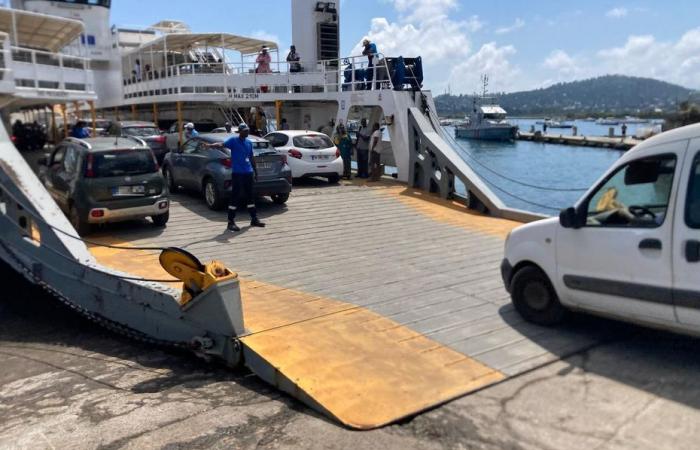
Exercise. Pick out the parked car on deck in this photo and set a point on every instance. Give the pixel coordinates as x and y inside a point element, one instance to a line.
<point>148,131</point>
<point>208,170</point>
<point>628,249</point>
<point>308,153</point>
<point>106,179</point>
<point>172,136</point>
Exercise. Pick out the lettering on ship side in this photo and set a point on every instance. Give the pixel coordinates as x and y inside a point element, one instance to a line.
<point>250,96</point>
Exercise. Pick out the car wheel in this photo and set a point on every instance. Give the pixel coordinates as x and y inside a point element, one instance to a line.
<point>534,297</point>
<point>81,225</point>
<point>169,179</point>
<point>334,179</point>
<point>212,196</point>
<point>161,219</point>
<point>280,199</point>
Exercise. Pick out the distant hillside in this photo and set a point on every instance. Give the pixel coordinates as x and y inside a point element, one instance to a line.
<point>607,95</point>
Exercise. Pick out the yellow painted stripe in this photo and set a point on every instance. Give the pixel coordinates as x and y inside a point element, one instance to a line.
<point>346,361</point>
<point>448,211</point>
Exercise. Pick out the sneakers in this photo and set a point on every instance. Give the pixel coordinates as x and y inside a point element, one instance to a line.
<point>232,227</point>
<point>257,223</point>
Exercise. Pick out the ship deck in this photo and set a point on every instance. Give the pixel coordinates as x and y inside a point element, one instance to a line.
<point>423,263</point>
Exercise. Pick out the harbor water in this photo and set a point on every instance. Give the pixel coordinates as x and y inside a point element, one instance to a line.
<point>508,167</point>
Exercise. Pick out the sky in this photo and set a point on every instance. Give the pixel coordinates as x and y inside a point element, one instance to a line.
<point>521,45</point>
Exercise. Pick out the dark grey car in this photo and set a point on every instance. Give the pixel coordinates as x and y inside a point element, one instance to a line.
<point>208,170</point>
<point>148,131</point>
<point>107,179</point>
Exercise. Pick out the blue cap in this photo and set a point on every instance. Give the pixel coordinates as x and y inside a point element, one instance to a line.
<point>242,127</point>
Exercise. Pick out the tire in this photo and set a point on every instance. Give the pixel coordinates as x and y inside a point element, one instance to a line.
<point>161,220</point>
<point>212,196</point>
<point>280,199</point>
<point>80,224</point>
<point>534,297</point>
<point>334,179</point>
<point>169,179</point>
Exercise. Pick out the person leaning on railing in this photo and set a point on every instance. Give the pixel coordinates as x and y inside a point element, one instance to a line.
<point>293,60</point>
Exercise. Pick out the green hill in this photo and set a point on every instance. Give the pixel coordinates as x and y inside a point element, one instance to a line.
<point>607,95</point>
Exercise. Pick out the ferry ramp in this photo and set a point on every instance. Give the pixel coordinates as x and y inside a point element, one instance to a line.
<point>368,302</point>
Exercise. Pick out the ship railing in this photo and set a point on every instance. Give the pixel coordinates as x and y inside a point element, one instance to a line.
<point>42,70</point>
<point>242,79</point>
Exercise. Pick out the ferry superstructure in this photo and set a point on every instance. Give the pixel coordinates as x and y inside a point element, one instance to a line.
<point>122,287</point>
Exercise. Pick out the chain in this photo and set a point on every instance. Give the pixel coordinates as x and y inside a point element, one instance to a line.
<point>95,318</point>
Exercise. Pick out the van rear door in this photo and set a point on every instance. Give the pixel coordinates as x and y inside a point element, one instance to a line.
<point>686,247</point>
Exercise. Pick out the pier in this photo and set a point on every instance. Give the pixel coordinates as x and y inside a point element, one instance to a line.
<point>616,143</point>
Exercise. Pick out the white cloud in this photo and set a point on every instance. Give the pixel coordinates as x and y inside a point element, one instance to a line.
<point>519,23</point>
<point>563,66</point>
<point>677,62</point>
<point>490,60</point>
<point>617,13</point>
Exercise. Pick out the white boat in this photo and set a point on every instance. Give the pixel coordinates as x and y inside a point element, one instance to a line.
<point>608,121</point>
<point>487,120</point>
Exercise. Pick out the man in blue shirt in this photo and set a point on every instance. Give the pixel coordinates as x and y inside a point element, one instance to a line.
<point>190,132</point>
<point>243,176</point>
<point>80,131</point>
<point>370,51</point>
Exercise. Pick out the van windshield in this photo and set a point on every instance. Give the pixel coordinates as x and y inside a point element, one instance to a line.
<point>123,162</point>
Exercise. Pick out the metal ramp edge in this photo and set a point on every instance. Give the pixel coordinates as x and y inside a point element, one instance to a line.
<point>434,165</point>
<point>35,240</point>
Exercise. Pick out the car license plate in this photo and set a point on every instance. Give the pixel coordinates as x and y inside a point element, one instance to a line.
<point>264,166</point>
<point>129,190</point>
<point>318,157</point>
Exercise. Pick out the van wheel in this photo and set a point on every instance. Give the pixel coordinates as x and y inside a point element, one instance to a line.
<point>212,196</point>
<point>280,199</point>
<point>334,179</point>
<point>161,219</point>
<point>534,297</point>
<point>169,179</point>
<point>81,225</point>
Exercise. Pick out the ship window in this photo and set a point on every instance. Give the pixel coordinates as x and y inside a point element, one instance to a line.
<point>90,39</point>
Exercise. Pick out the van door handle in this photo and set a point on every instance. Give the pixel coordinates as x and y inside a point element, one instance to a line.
<point>692,251</point>
<point>650,244</point>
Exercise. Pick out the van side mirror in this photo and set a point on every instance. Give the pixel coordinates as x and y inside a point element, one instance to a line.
<point>571,218</point>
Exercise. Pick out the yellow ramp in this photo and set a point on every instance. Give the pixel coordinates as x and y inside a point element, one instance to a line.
<point>343,360</point>
<point>350,363</point>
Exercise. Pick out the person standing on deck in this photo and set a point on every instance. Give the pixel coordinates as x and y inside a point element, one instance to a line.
<point>370,51</point>
<point>293,60</point>
<point>344,143</point>
<point>244,173</point>
<point>624,130</point>
<point>544,127</point>
<point>263,61</point>
<point>363,135</point>
<point>375,159</point>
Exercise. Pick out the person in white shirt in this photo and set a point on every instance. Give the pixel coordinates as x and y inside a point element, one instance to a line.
<point>374,156</point>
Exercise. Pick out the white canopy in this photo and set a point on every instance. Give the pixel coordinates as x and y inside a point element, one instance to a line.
<point>39,31</point>
<point>188,41</point>
<point>492,109</point>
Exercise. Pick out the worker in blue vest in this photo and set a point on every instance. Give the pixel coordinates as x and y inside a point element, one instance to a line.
<point>243,175</point>
<point>370,51</point>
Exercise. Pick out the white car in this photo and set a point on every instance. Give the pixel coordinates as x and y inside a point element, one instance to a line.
<point>308,153</point>
<point>629,249</point>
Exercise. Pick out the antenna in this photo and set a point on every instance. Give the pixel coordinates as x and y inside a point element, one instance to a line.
<point>485,84</point>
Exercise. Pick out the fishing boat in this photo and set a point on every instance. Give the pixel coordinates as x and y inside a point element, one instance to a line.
<point>487,121</point>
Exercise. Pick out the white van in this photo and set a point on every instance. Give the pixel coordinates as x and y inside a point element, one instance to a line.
<point>629,249</point>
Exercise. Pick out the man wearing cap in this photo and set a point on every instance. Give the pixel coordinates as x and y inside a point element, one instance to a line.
<point>243,176</point>
<point>190,132</point>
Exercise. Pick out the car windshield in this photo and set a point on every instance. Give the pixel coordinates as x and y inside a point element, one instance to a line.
<point>312,141</point>
<point>141,131</point>
<point>123,162</point>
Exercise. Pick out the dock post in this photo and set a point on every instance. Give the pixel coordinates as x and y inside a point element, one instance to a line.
<point>93,117</point>
<point>278,113</point>
<point>155,114</point>
<point>611,132</point>
<point>65,120</point>
<point>574,131</point>
<point>133,112</point>
<point>179,123</point>
<point>76,106</point>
